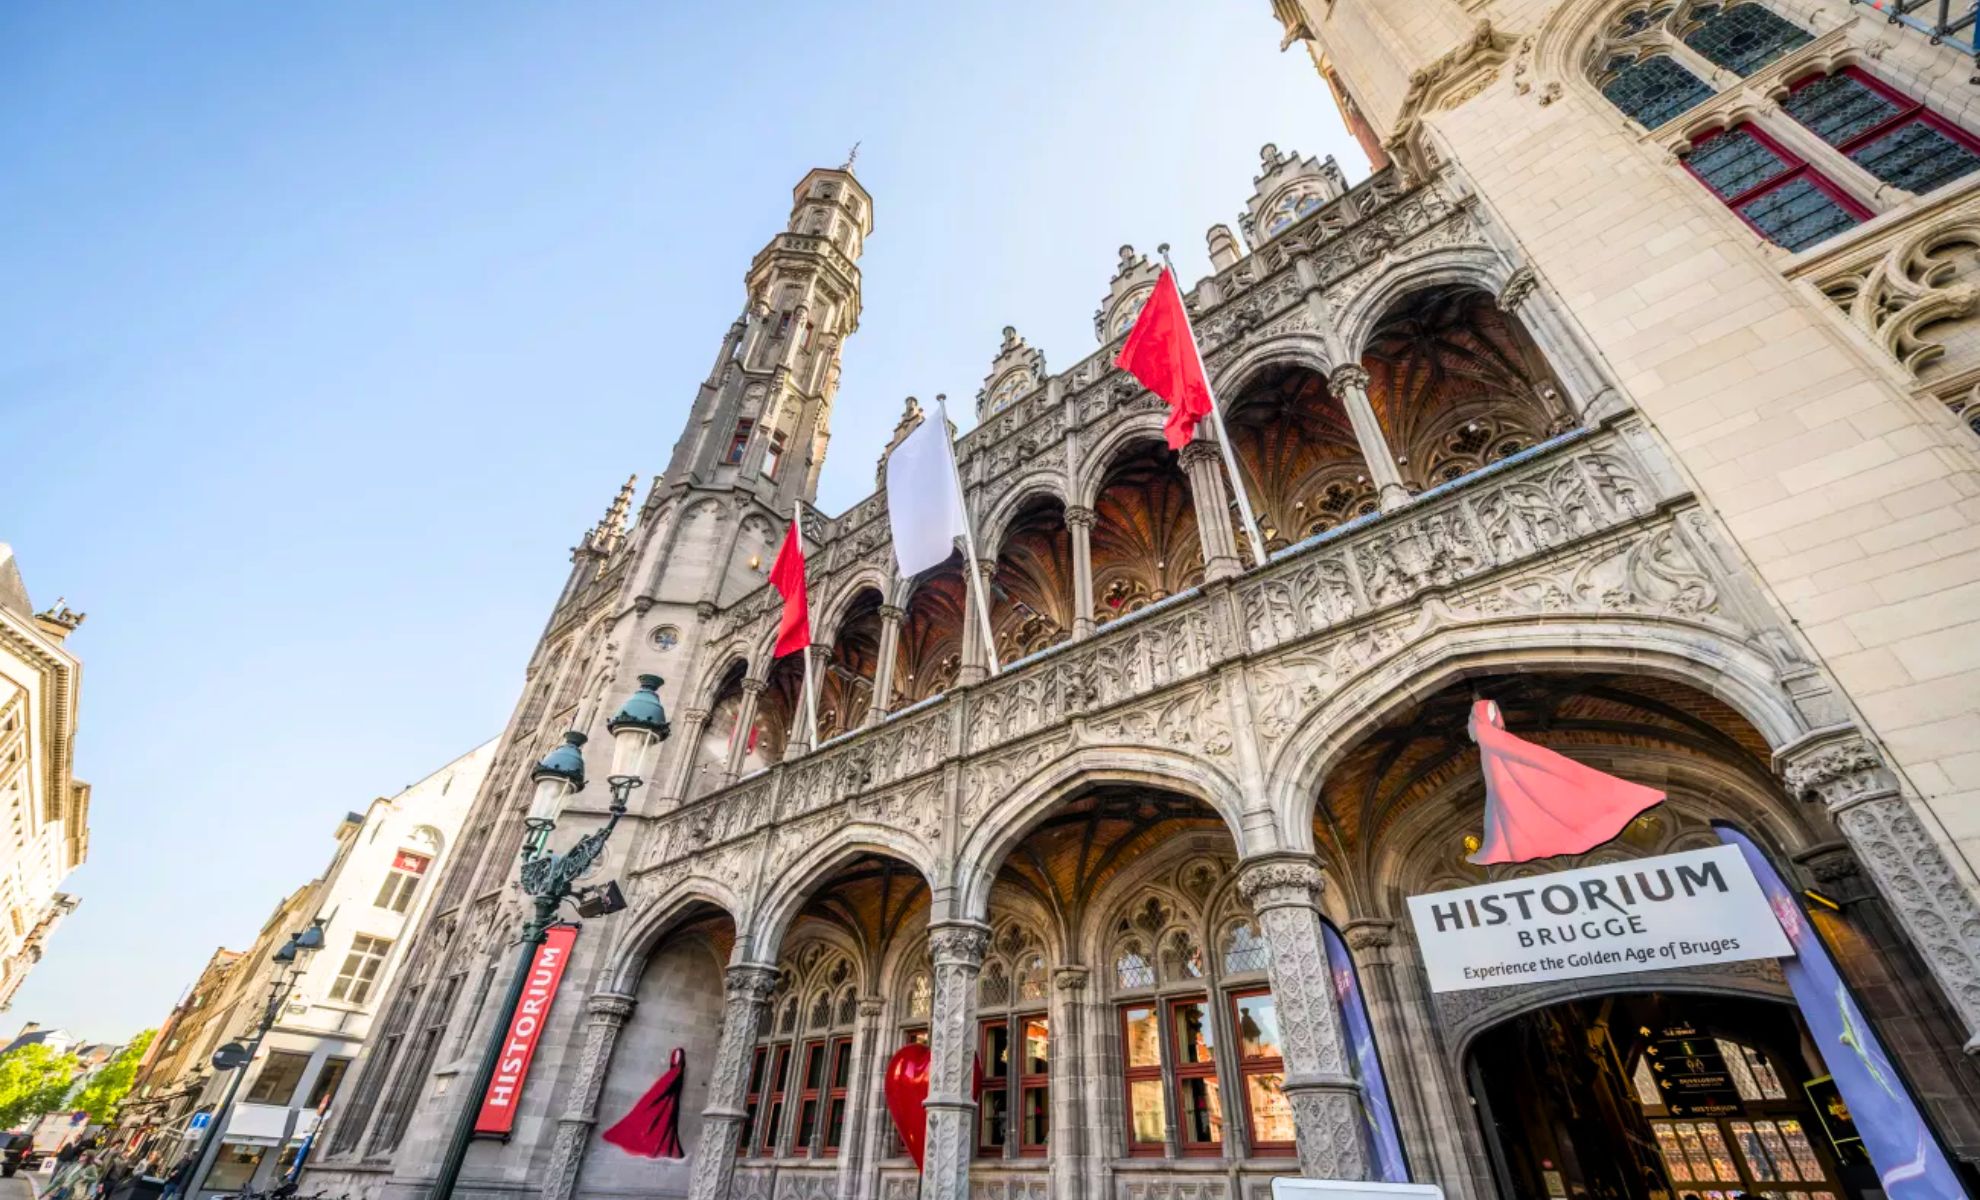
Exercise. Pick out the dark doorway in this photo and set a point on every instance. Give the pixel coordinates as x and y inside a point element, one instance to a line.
<point>1662,1096</point>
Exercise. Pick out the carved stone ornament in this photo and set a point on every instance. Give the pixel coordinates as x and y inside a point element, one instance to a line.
<point>1838,771</point>
<point>1517,289</point>
<point>958,942</point>
<point>1346,378</point>
<point>1276,882</point>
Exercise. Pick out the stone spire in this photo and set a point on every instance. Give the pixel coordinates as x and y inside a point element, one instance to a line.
<point>611,528</point>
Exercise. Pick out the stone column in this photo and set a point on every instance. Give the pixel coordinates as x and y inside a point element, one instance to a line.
<point>1931,899</point>
<point>752,694</point>
<point>687,744</point>
<point>1428,1116</point>
<point>606,1014</point>
<point>956,951</point>
<point>860,1090</point>
<point>975,655</point>
<point>1521,300</point>
<point>745,995</point>
<point>1284,890</point>
<point>1204,465</point>
<point>1349,383</point>
<point>883,674</point>
<point>1071,1160</point>
<point>1080,521</point>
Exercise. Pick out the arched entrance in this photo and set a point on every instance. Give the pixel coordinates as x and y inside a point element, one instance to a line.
<point>1666,1095</point>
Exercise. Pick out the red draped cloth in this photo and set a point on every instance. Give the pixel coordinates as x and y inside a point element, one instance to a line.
<point>1539,803</point>
<point>653,1128</point>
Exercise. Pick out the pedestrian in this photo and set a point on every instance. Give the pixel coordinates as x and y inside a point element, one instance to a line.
<point>176,1181</point>
<point>77,1181</point>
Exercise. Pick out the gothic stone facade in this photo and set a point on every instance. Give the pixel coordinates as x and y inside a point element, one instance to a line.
<point>1478,473</point>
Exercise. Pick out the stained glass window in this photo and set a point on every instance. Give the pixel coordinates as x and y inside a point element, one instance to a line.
<point>1745,38</point>
<point>1774,191</point>
<point>1890,135</point>
<point>1653,90</point>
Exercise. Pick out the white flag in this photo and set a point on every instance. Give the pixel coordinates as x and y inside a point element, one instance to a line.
<point>924,497</point>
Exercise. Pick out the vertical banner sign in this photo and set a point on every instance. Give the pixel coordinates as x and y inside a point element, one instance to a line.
<point>1381,1116</point>
<point>546,971</point>
<point>1907,1158</point>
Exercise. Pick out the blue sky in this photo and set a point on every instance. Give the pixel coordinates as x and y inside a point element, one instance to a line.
<point>329,328</point>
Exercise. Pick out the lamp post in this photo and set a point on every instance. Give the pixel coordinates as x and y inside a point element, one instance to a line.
<point>549,878</point>
<point>289,961</point>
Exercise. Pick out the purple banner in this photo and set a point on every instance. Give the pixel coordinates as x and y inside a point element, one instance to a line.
<point>1907,1158</point>
<point>1379,1115</point>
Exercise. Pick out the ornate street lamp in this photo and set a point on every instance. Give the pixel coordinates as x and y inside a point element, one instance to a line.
<point>549,878</point>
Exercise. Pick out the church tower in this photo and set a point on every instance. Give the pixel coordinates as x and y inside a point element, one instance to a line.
<point>763,417</point>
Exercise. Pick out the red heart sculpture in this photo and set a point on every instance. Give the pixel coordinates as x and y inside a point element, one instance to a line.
<point>907,1091</point>
<point>907,1087</point>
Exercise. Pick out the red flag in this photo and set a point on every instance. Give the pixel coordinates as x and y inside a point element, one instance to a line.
<point>1538,803</point>
<point>787,576</point>
<point>1162,354</point>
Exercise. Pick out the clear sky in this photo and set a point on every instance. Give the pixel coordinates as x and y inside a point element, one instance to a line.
<point>328,329</point>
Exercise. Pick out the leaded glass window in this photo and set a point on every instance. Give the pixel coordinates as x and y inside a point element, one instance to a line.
<point>1775,192</point>
<point>1746,37</point>
<point>1656,89</point>
<point>1884,132</point>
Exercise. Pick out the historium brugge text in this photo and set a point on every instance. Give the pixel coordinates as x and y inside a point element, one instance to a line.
<point>1701,906</point>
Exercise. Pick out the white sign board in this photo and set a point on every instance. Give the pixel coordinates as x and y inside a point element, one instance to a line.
<point>1649,914</point>
<point>1349,1189</point>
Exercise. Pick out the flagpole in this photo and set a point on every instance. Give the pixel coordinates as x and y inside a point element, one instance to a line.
<point>1217,419</point>
<point>810,684</point>
<point>975,583</point>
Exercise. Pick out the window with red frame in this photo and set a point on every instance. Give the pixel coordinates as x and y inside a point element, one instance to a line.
<point>1141,1059</point>
<point>1262,1071</point>
<point>1882,130</point>
<point>739,443</point>
<point>838,1076</point>
<point>810,1096</point>
<point>753,1097</point>
<point>1784,199</point>
<point>993,1112</point>
<point>780,1071</point>
<point>1034,1077</point>
<point>1199,1107</point>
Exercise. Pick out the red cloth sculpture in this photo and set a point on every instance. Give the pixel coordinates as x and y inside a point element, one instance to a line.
<point>1539,803</point>
<point>653,1128</point>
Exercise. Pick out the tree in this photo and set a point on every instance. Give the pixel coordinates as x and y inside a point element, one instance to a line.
<point>103,1092</point>
<point>34,1080</point>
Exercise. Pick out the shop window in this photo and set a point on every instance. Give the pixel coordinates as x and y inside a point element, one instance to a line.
<point>235,1167</point>
<point>1262,1068</point>
<point>739,442</point>
<point>1882,130</point>
<point>1141,1059</point>
<point>280,1073</point>
<point>1653,90</point>
<point>1199,1106</point>
<point>1779,195</point>
<point>328,1080</point>
<point>1745,37</point>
